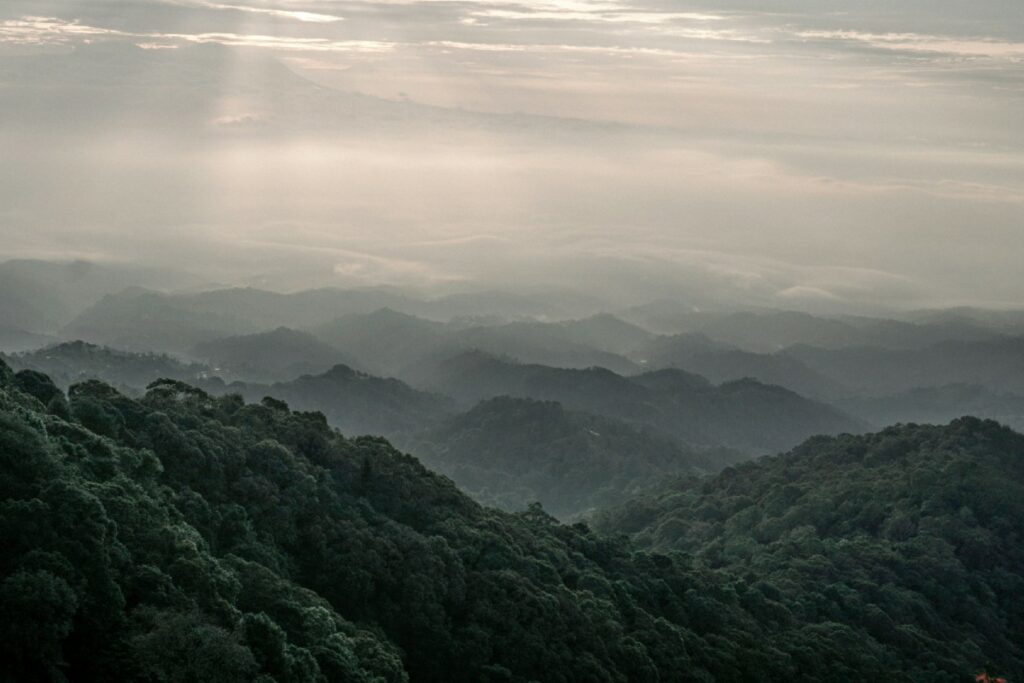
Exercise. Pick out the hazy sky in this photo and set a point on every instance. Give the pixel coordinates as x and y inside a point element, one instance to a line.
<point>801,153</point>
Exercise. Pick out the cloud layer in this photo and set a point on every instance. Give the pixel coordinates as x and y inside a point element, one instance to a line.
<point>773,152</point>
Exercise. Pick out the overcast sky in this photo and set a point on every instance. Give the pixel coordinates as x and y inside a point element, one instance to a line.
<point>800,153</point>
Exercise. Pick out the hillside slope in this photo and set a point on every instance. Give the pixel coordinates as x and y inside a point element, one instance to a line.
<point>357,403</point>
<point>909,540</point>
<point>510,452</point>
<point>185,537</point>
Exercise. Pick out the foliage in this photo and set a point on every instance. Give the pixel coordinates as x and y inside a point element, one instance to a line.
<point>183,537</point>
<point>906,541</point>
<point>76,361</point>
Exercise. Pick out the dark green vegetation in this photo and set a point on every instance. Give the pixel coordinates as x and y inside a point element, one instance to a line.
<point>903,544</point>
<point>182,537</point>
<point>745,415</point>
<point>75,361</point>
<point>510,452</point>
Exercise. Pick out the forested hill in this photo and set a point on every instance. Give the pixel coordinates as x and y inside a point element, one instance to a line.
<point>357,403</point>
<point>509,452</point>
<point>75,361</point>
<point>182,537</point>
<point>910,537</point>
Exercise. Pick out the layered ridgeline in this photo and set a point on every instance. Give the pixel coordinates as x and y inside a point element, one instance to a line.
<point>278,355</point>
<point>906,542</point>
<point>746,414</point>
<point>186,537</point>
<point>940,404</point>
<point>510,452</point>
<point>719,362</point>
<point>392,343</point>
<point>354,402</point>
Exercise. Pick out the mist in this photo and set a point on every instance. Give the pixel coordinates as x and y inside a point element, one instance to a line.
<point>735,154</point>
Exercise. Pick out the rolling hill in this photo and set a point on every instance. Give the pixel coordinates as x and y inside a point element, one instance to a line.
<point>511,452</point>
<point>355,402</point>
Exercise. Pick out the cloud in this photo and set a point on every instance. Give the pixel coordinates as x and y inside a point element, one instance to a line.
<point>30,30</point>
<point>550,48</point>
<point>309,17</point>
<point>41,31</point>
<point>279,43</point>
<point>804,292</point>
<point>987,48</point>
<point>771,152</point>
<point>610,14</point>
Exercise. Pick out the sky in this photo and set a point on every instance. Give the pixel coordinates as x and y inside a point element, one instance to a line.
<point>812,154</point>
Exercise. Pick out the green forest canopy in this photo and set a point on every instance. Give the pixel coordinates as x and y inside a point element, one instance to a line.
<point>182,537</point>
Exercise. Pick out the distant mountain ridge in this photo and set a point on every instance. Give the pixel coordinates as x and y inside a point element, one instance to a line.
<point>747,415</point>
<point>279,355</point>
<point>722,363</point>
<point>997,363</point>
<point>142,319</point>
<point>769,331</point>
<point>393,343</point>
<point>939,405</point>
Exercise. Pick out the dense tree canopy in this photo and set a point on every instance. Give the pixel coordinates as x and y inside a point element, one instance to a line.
<point>910,539</point>
<point>184,537</point>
